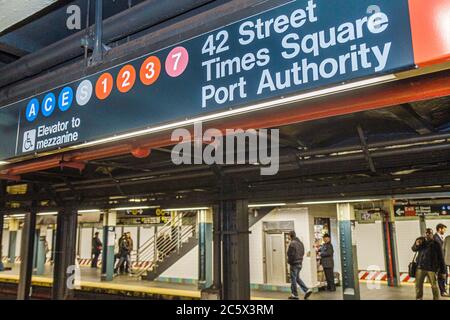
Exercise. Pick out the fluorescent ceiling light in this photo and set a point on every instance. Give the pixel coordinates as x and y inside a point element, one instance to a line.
<point>47,213</point>
<point>338,201</point>
<point>17,215</point>
<point>266,205</point>
<point>187,209</point>
<point>259,106</point>
<point>89,211</point>
<point>135,208</point>
<point>2,163</point>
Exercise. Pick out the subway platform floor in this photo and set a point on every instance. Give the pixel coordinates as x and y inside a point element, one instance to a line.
<point>91,278</point>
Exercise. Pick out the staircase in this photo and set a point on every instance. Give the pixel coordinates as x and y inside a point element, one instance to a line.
<point>173,241</point>
<point>170,243</point>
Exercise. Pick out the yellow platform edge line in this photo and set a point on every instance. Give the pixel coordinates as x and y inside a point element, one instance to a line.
<point>121,287</point>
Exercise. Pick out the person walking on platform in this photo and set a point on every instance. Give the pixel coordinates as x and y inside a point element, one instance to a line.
<point>439,238</point>
<point>430,263</point>
<point>295,254</point>
<point>97,247</point>
<point>327,261</point>
<point>123,254</point>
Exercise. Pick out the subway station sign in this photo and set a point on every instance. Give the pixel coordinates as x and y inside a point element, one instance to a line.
<point>301,46</point>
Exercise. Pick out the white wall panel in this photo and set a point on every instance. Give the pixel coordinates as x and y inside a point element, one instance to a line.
<point>369,246</point>
<point>407,232</point>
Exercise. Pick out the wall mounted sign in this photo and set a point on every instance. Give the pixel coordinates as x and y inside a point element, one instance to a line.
<point>301,46</point>
<point>421,210</point>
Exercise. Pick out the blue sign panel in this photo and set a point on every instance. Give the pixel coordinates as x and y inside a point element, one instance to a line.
<point>303,45</point>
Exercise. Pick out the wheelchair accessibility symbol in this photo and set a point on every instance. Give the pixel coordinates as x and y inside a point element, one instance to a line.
<point>29,141</point>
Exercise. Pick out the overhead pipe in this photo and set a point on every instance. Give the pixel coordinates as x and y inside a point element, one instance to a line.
<point>97,55</point>
<point>128,22</point>
<point>383,144</point>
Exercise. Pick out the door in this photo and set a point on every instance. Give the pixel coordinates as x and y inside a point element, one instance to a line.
<point>275,258</point>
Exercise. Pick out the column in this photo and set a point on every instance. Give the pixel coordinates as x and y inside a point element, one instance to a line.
<point>65,271</point>
<point>2,220</point>
<point>349,262</point>
<point>41,252</point>
<point>27,254</point>
<point>235,254</point>
<point>205,239</point>
<point>390,245</point>
<point>109,239</point>
<point>13,228</point>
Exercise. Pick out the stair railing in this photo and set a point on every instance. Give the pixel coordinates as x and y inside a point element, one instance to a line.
<point>167,239</point>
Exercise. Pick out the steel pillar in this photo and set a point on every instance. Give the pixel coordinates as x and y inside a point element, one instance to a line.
<point>423,225</point>
<point>390,245</point>
<point>27,253</point>
<point>2,205</point>
<point>205,240</point>
<point>109,238</point>
<point>65,271</point>
<point>13,228</point>
<point>349,261</point>
<point>41,255</point>
<point>235,254</point>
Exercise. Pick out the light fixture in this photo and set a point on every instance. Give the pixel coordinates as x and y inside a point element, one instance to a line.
<point>266,205</point>
<point>2,163</point>
<point>186,209</point>
<point>47,213</point>
<point>135,208</point>
<point>243,110</point>
<point>337,201</point>
<point>21,215</point>
<point>89,211</point>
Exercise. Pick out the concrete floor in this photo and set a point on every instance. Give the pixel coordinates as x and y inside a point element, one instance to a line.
<point>369,291</point>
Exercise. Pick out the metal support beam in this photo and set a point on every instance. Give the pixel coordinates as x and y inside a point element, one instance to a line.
<point>366,151</point>
<point>97,55</point>
<point>66,231</point>
<point>349,261</point>
<point>2,205</point>
<point>236,265</point>
<point>414,120</point>
<point>205,226</point>
<point>27,252</point>
<point>390,245</point>
<point>109,235</point>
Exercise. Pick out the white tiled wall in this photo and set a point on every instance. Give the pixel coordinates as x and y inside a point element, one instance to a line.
<point>407,232</point>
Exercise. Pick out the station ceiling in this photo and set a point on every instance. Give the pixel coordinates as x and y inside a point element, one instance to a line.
<point>34,24</point>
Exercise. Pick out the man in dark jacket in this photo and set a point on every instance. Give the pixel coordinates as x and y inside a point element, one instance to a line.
<point>439,238</point>
<point>295,254</point>
<point>430,263</point>
<point>96,250</point>
<point>327,261</point>
<point>124,251</point>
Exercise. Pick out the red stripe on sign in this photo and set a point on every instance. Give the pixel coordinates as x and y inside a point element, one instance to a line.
<point>430,27</point>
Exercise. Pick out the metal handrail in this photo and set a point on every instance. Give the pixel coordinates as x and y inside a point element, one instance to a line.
<point>150,251</point>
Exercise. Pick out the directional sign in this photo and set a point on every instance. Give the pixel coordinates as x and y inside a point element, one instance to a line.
<point>301,46</point>
<point>421,210</point>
